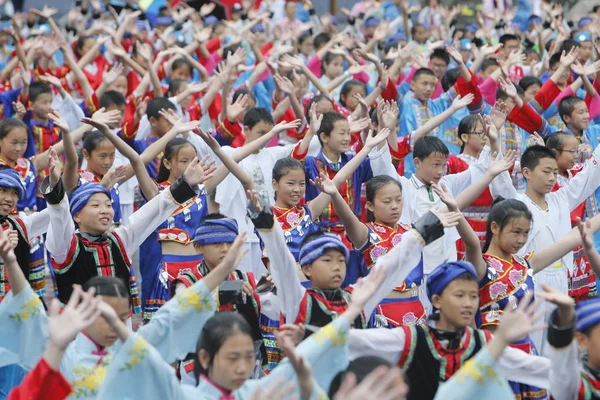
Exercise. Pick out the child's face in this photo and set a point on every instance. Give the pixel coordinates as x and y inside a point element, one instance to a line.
<point>509,47</point>
<point>13,145</point>
<point>324,106</point>
<point>186,101</point>
<point>531,92</point>
<point>532,58</point>
<point>421,34</point>
<point>488,71</point>
<point>370,31</point>
<point>431,168</point>
<point>387,204</point>
<point>458,303</point>
<point>580,117</point>
<point>466,56</point>
<point>424,86</point>
<point>339,139</point>
<point>42,106</point>
<point>290,9</point>
<point>180,161</point>
<point>160,126</point>
<point>351,102</point>
<point>568,154</point>
<point>260,129</point>
<point>335,67</point>
<point>513,236</point>
<point>121,109</point>
<point>213,253</point>
<point>590,344</point>
<point>97,215</point>
<point>586,52</point>
<point>290,188</point>
<point>182,72</point>
<point>327,271</point>
<point>475,140</point>
<point>543,177</point>
<point>102,158</point>
<point>101,331</point>
<point>233,363</point>
<point>120,85</point>
<point>87,45</point>
<point>439,67</point>
<point>306,47</point>
<point>8,200</point>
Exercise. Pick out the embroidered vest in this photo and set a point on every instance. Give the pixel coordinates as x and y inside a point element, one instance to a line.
<point>590,386</point>
<point>424,355</point>
<point>296,224</point>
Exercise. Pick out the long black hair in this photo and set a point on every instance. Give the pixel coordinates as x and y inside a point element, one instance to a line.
<point>373,186</point>
<point>214,333</point>
<point>171,150</point>
<point>502,212</point>
<point>108,286</point>
<point>467,126</point>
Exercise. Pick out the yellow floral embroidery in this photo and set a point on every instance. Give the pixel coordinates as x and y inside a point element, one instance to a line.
<point>478,372</point>
<point>30,309</point>
<point>190,299</point>
<point>331,332</point>
<point>138,352</point>
<point>88,379</point>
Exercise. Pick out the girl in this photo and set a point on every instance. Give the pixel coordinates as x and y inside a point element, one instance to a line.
<point>582,280</point>
<point>511,276</point>
<point>226,339</point>
<point>87,358</point>
<point>348,100</point>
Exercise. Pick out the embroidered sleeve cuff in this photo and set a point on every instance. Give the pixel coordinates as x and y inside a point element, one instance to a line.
<point>560,337</point>
<point>182,191</point>
<point>53,195</point>
<point>429,227</point>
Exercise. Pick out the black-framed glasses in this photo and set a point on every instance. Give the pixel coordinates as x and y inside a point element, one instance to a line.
<point>478,133</point>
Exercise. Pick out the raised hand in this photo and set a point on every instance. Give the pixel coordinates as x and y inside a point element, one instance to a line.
<point>354,69</point>
<point>499,114</point>
<point>586,70</point>
<point>284,126</point>
<point>324,184</point>
<point>194,174</point>
<point>499,165</point>
<point>235,254</point>
<point>517,322</point>
<point>487,50</point>
<point>96,123</point>
<point>315,122</point>
<point>374,140</point>
<point>448,219</point>
<point>380,384</point>
<point>365,288</point>
<point>454,54</point>
<point>53,167</point>
<point>238,57</point>
<point>360,125</point>
<point>206,9</point>
<point>508,88</point>
<point>171,116</point>
<point>300,364</point>
<point>81,312</point>
<point>363,107</point>
<point>7,245</point>
<point>538,139</point>
<point>59,121</point>
<point>461,102</point>
<point>586,233</point>
<point>489,128</point>
<point>389,115</point>
<point>567,59</point>
<point>185,127</point>
<point>108,118</point>
<point>445,196</point>
<point>114,176</point>
<point>50,80</point>
<point>198,87</point>
<point>516,57</point>
<point>234,110</point>
<point>293,331</point>
<point>284,84</point>
<point>113,74</point>
<point>20,109</point>
<point>208,139</point>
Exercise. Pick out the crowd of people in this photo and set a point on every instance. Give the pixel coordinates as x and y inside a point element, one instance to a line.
<point>399,204</point>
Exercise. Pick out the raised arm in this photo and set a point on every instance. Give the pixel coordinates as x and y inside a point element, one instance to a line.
<point>77,71</point>
<point>457,104</point>
<point>70,176</point>
<point>585,231</point>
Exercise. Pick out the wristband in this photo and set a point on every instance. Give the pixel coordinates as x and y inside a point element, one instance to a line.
<point>429,227</point>
<point>52,195</point>
<point>183,191</point>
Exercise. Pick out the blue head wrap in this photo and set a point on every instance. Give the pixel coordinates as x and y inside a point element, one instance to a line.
<point>534,19</point>
<point>371,22</point>
<point>314,249</point>
<point>584,21</point>
<point>588,313</point>
<point>257,28</point>
<point>472,28</point>
<point>164,20</point>
<point>9,178</point>
<point>465,44</point>
<point>141,24</point>
<point>82,194</point>
<point>446,273</point>
<point>211,19</point>
<point>584,37</point>
<point>396,37</point>
<point>212,231</point>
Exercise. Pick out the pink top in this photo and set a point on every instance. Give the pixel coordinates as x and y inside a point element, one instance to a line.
<point>488,91</point>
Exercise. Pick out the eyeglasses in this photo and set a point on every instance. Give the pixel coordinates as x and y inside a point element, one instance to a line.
<point>478,133</point>
<point>574,152</point>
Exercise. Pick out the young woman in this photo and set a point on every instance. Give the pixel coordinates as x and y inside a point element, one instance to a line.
<point>173,333</point>
<point>225,359</point>
<point>511,276</point>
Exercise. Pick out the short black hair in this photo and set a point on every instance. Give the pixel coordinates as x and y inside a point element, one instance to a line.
<point>212,216</point>
<point>529,81</point>
<point>157,104</point>
<point>501,94</point>
<point>422,72</point>
<point>489,62</point>
<point>555,141</point>
<point>112,98</point>
<point>428,145</point>
<point>507,37</point>
<point>360,367</point>
<point>227,51</point>
<point>450,78</point>
<point>241,92</point>
<point>328,123</point>
<point>256,115</point>
<point>567,105</point>
<point>554,60</point>
<point>413,30</point>
<point>181,62</point>
<point>38,88</point>
<point>533,154</point>
<point>568,45</point>
<point>321,39</point>
<point>441,54</point>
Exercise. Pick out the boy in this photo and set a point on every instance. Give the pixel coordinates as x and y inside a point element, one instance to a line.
<point>334,136</point>
<point>231,194</point>
<point>323,259</point>
<point>439,61</point>
<point>430,155</point>
<point>551,211</point>
<point>37,98</point>
<point>431,354</point>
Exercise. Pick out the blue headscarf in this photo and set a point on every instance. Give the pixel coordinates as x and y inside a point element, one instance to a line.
<point>588,313</point>
<point>314,249</point>
<point>212,231</point>
<point>82,194</point>
<point>441,277</point>
<point>9,178</point>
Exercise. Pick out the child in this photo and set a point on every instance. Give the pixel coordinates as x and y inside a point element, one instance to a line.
<point>430,156</point>
<point>430,354</point>
<point>42,132</point>
<point>551,211</point>
<point>582,280</point>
